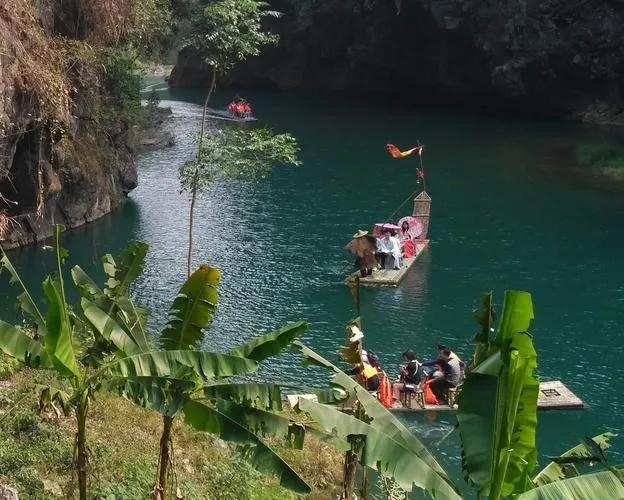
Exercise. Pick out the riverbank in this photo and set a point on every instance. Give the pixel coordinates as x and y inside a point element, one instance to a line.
<point>36,452</point>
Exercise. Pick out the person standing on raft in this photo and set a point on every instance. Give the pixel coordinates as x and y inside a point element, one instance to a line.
<point>363,247</point>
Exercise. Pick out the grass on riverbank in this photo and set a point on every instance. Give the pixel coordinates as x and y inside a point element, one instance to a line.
<point>36,453</point>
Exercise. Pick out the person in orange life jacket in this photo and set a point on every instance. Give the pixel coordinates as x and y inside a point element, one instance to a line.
<point>368,370</point>
<point>408,374</point>
<point>450,376</point>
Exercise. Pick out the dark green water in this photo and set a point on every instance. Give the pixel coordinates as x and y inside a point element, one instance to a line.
<point>508,212</point>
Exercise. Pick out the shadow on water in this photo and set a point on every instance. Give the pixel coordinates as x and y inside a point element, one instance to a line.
<point>500,219</point>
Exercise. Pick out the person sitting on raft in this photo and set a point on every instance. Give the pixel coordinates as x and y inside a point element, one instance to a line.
<point>450,375</point>
<point>368,371</point>
<point>389,250</point>
<point>409,374</point>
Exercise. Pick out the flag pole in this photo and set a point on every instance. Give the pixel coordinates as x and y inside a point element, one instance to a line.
<point>422,168</point>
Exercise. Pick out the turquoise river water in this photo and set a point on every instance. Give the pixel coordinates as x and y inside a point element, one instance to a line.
<point>509,211</point>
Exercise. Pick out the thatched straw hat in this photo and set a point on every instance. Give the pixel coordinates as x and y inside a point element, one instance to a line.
<point>360,233</point>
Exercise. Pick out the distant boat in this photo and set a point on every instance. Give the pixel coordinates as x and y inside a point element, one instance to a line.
<point>224,114</point>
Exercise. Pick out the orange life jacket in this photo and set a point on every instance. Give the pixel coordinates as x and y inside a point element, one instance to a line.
<point>368,371</point>
<point>385,390</point>
<point>430,397</point>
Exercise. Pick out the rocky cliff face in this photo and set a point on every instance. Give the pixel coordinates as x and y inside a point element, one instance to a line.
<point>556,57</point>
<point>64,150</point>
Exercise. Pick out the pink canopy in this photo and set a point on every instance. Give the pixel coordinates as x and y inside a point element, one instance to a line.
<point>380,226</point>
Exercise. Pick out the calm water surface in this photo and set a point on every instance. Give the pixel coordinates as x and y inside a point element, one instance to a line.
<point>507,212</point>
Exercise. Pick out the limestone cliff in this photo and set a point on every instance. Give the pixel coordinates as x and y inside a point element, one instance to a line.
<point>64,144</point>
<point>551,57</point>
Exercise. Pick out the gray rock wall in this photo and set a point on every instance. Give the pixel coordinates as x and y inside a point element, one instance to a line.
<point>46,176</point>
<point>551,57</point>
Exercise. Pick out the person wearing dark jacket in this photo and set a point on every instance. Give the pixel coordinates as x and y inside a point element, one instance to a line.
<point>450,366</point>
<point>409,374</point>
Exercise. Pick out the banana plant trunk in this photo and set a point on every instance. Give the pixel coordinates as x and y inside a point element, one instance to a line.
<point>165,458</point>
<point>349,475</point>
<point>81,445</point>
<point>196,174</point>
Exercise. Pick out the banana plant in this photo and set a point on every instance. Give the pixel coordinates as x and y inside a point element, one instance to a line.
<point>497,407</point>
<point>564,477</point>
<point>243,413</point>
<point>61,344</point>
<point>387,446</point>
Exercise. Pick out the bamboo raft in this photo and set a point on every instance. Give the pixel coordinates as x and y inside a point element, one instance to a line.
<point>390,277</point>
<point>219,114</point>
<point>553,395</point>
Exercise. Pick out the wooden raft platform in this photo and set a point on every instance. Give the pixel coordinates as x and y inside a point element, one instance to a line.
<point>553,395</point>
<point>391,277</point>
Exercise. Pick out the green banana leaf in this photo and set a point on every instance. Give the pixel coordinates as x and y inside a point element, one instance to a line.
<point>381,452</point>
<point>166,396</point>
<point>134,319</point>
<point>58,337</point>
<point>497,407</point>
<point>25,300</point>
<point>264,423</point>
<point>192,310</point>
<point>555,472</point>
<point>380,417</point>
<point>270,344</point>
<point>117,302</point>
<point>179,364</point>
<point>260,456</point>
<point>109,328</point>
<point>122,275</point>
<point>256,395</point>
<point>20,346</point>
<point>482,340</point>
<point>606,484</point>
<point>88,289</point>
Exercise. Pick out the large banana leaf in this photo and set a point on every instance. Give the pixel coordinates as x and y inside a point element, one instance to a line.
<point>271,343</point>
<point>380,417</point>
<point>256,395</point>
<point>209,419</point>
<point>88,289</point>
<point>25,300</point>
<point>134,320</point>
<point>555,471</point>
<point>497,412</point>
<point>109,328</point>
<point>166,396</point>
<point>264,423</point>
<point>179,364</point>
<point>607,484</point>
<point>17,344</point>
<point>192,310</point>
<point>485,319</point>
<point>381,452</point>
<point>58,337</point>
<point>122,275</point>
